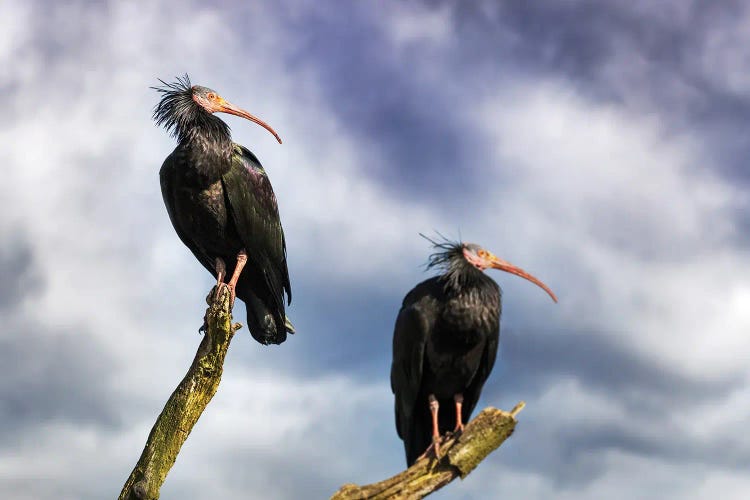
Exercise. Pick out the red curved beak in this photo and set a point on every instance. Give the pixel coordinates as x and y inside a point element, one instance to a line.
<point>497,263</point>
<point>225,106</point>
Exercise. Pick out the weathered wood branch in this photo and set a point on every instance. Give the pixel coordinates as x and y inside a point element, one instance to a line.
<point>185,405</point>
<point>458,458</point>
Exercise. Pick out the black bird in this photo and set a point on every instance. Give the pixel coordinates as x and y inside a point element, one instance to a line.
<point>445,343</point>
<point>222,205</point>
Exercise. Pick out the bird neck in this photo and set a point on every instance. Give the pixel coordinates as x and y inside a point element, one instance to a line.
<point>209,147</point>
<point>462,278</point>
<point>472,309</point>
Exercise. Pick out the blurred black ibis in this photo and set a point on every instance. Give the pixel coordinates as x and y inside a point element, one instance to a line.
<point>445,343</point>
<point>222,205</point>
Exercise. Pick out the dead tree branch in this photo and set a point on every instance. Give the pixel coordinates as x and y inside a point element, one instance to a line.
<point>459,457</point>
<point>185,405</point>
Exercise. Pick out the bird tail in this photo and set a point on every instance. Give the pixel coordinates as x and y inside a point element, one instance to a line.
<point>267,324</point>
<point>289,326</point>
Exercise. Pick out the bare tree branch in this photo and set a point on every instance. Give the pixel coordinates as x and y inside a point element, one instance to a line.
<point>185,405</point>
<point>458,458</point>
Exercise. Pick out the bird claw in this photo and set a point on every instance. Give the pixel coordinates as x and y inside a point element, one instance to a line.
<point>433,450</point>
<point>215,293</point>
<point>211,297</point>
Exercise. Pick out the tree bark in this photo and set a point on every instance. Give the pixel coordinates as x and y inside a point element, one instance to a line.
<point>458,458</point>
<point>185,405</point>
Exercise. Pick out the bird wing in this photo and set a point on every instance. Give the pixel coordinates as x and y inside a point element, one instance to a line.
<point>409,340</point>
<point>253,208</point>
<point>414,322</point>
<point>472,393</point>
<point>167,180</point>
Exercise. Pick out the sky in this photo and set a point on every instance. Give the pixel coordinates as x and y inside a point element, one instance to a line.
<point>600,145</point>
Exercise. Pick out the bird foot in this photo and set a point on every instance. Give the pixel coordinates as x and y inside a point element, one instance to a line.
<point>454,434</point>
<point>216,292</point>
<point>433,450</point>
<point>212,295</point>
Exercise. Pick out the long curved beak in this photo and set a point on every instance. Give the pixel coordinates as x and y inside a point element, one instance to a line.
<point>225,106</point>
<point>497,263</point>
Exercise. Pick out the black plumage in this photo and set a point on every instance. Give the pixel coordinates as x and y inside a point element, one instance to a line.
<point>223,207</point>
<point>445,343</point>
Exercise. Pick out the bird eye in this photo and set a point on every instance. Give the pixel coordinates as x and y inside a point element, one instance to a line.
<point>211,96</point>
<point>482,253</point>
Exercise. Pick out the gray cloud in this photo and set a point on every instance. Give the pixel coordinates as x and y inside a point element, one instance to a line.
<point>47,380</point>
<point>18,274</point>
<point>533,359</point>
<point>678,61</point>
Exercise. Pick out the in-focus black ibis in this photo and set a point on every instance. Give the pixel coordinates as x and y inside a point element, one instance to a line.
<point>222,205</point>
<point>445,342</point>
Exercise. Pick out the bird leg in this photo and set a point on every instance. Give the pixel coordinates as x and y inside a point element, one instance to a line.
<point>459,399</point>
<point>434,407</point>
<point>221,272</point>
<point>435,446</point>
<point>241,261</point>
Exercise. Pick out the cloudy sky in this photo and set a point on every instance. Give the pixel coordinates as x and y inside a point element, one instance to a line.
<point>601,146</point>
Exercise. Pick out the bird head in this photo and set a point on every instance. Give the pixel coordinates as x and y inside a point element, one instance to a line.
<point>212,102</point>
<point>483,259</point>
<point>458,254</point>
<point>182,105</point>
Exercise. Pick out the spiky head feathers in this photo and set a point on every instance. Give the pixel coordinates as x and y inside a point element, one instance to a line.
<point>185,107</point>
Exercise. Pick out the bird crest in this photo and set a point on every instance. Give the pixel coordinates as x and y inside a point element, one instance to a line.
<point>445,251</point>
<point>176,103</point>
<point>181,116</point>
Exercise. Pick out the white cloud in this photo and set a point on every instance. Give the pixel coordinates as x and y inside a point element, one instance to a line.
<point>411,23</point>
<point>14,39</point>
<point>630,208</point>
<point>732,485</point>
